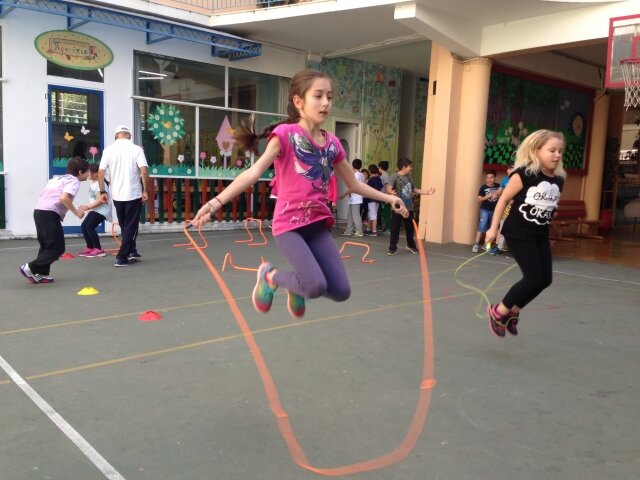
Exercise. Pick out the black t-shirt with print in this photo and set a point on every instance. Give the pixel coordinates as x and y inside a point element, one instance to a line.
<point>533,206</point>
<point>490,203</point>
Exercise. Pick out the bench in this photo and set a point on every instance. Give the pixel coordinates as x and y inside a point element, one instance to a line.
<point>572,213</point>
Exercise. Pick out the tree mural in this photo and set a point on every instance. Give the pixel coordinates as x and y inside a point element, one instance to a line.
<point>167,125</point>
<point>383,101</point>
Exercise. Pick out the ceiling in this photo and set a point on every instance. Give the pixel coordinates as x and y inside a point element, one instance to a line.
<point>372,34</point>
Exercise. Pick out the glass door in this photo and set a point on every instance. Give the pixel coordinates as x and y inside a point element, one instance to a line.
<point>75,126</point>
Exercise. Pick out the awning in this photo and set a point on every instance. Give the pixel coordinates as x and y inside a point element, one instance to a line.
<point>222,45</point>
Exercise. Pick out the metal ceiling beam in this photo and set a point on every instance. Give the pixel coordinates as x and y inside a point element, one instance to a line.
<point>222,45</point>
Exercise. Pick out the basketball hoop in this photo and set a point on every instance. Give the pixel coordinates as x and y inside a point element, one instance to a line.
<point>631,73</point>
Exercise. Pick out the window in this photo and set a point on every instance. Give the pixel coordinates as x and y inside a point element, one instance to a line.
<point>69,107</point>
<point>175,79</point>
<point>89,75</point>
<point>253,91</point>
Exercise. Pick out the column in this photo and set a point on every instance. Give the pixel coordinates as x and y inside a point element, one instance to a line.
<point>454,146</point>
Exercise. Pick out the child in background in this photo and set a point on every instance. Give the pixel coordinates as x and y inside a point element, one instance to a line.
<point>487,197</point>
<point>354,216</point>
<point>384,222</point>
<point>372,206</point>
<point>401,184</point>
<point>364,204</point>
<point>305,157</point>
<point>98,213</point>
<point>55,201</point>
<point>502,243</point>
<point>273,196</point>
<point>332,197</point>
<point>534,186</point>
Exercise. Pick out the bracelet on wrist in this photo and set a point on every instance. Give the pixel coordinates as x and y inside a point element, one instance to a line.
<point>214,199</point>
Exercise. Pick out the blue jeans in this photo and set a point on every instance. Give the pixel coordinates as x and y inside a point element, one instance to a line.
<point>486,216</point>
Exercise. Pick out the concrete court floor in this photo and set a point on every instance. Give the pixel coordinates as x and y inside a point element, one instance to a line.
<point>180,398</point>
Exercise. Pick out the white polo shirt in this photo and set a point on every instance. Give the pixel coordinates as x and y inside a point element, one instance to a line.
<point>124,159</point>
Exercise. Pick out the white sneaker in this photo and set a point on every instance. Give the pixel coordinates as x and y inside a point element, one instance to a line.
<point>475,248</point>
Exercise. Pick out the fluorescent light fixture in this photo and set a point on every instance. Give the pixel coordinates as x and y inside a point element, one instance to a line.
<point>150,78</point>
<point>153,73</point>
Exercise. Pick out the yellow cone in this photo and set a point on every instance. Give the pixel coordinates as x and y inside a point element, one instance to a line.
<point>88,291</point>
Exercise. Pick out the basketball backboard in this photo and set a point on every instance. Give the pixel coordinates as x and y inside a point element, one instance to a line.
<point>624,42</point>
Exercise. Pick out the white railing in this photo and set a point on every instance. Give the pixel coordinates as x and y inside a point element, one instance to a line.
<point>214,7</point>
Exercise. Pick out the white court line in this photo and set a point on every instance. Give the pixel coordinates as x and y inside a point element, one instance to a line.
<point>84,446</point>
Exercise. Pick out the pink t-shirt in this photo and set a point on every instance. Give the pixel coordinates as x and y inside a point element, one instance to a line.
<point>303,170</point>
<point>50,196</point>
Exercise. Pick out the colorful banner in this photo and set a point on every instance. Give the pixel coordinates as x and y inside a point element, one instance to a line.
<point>73,50</point>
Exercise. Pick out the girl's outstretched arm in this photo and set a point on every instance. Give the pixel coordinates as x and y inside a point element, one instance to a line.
<point>240,184</point>
<point>353,185</point>
<point>510,191</point>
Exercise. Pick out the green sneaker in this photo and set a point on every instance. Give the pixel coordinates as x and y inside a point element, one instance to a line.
<point>295,305</point>
<point>263,293</point>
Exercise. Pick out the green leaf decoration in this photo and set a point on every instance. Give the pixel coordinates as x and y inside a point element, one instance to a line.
<point>166,123</point>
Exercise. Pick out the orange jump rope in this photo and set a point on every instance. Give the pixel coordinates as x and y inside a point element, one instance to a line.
<point>298,455</point>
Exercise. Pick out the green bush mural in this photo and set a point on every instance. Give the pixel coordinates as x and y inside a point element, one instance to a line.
<point>519,105</point>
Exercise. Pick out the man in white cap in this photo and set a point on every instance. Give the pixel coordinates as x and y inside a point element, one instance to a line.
<point>129,174</point>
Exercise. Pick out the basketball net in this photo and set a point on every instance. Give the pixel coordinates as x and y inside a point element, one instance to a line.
<point>631,73</point>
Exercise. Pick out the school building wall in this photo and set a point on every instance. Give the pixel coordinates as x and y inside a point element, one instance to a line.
<point>25,106</point>
<point>454,147</point>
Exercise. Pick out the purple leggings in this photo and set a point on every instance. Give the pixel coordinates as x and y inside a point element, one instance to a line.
<point>318,269</point>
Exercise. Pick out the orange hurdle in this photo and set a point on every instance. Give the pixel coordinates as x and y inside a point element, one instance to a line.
<point>235,267</point>
<point>113,234</point>
<point>204,245</point>
<point>246,227</point>
<point>355,244</point>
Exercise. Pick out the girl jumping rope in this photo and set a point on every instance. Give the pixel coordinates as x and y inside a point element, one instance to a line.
<point>304,157</point>
<point>535,186</point>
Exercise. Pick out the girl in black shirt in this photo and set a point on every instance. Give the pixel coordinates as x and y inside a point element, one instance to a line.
<point>535,186</point>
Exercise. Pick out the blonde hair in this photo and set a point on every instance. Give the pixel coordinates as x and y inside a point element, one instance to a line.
<point>527,154</point>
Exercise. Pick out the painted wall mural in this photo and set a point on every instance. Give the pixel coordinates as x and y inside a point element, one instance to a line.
<point>383,86</point>
<point>521,103</point>
<point>370,94</point>
<point>348,76</point>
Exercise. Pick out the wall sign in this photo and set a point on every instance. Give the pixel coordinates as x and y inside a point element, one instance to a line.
<point>73,50</point>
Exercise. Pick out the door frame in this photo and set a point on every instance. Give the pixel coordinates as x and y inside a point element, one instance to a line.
<point>355,152</point>
<point>86,91</point>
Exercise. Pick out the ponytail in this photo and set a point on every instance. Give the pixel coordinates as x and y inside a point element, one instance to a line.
<point>246,137</point>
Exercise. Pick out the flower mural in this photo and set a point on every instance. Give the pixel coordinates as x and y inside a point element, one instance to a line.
<point>93,151</point>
